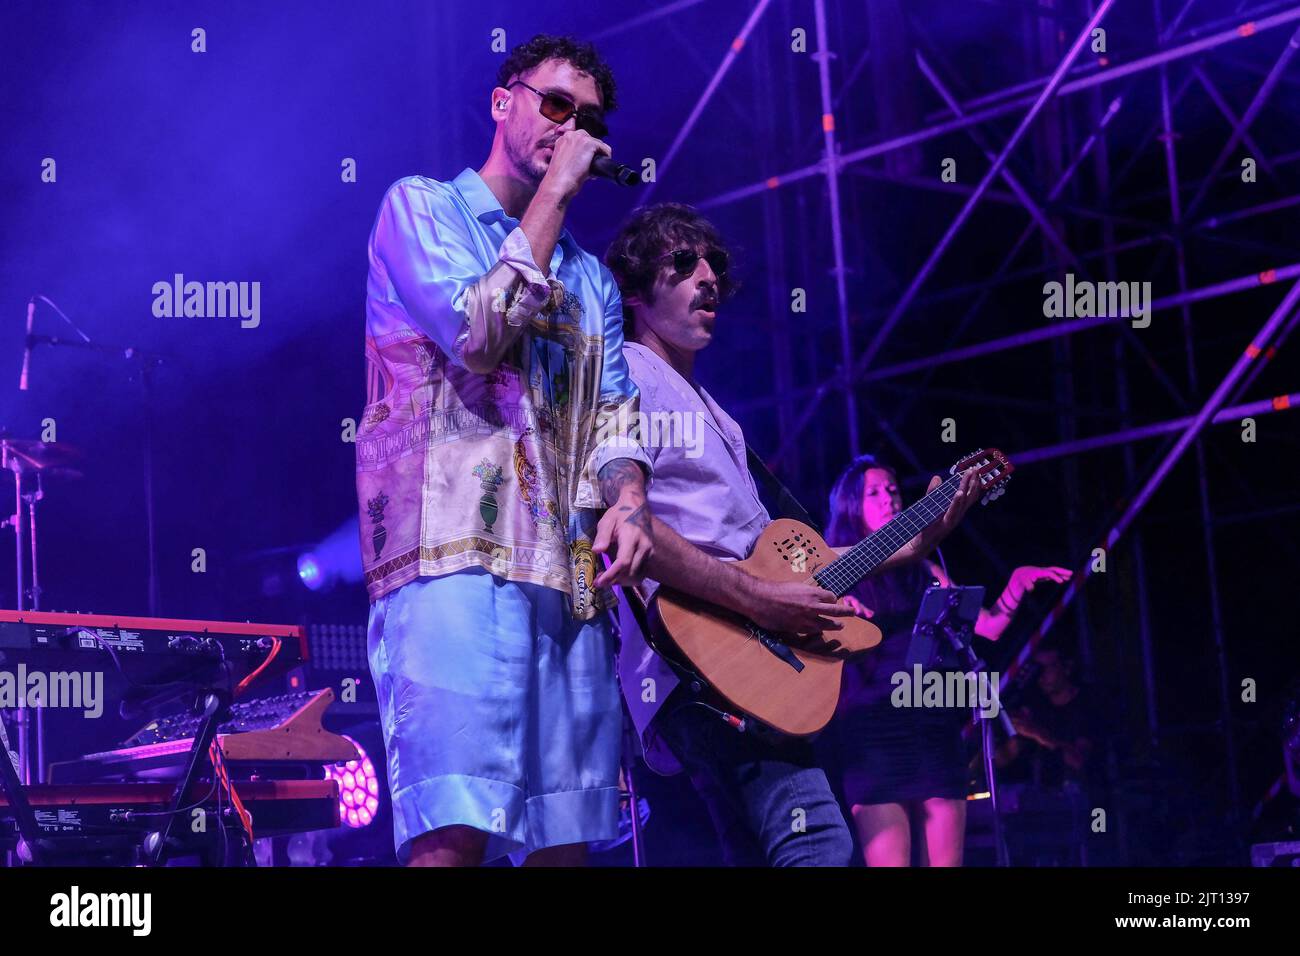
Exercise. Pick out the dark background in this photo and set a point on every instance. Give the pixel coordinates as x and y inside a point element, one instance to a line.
<point>225,166</point>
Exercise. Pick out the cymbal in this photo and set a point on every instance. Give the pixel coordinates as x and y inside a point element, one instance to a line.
<point>31,455</point>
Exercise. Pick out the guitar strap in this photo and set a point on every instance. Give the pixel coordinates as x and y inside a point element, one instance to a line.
<point>636,603</point>
<point>786,503</point>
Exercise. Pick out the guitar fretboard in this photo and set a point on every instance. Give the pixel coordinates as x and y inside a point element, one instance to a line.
<point>868,554</point>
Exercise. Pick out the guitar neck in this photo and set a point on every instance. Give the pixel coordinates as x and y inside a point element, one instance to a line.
<point>842,574</point>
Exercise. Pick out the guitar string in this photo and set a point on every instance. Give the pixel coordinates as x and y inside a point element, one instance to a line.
<point>852,561</point>
<point>859,560</point>
<point>901,529</point>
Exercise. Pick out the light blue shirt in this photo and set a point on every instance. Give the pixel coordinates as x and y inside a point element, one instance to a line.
<point>465,460</point>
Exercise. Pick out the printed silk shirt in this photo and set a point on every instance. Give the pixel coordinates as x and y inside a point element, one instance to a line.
<point>462,463</point>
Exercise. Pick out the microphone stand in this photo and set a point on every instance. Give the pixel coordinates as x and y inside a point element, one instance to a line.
<point>22,720</point>
<point>942,612</point>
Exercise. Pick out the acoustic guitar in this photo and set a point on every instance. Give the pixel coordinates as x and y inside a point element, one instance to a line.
<point>789,682</point>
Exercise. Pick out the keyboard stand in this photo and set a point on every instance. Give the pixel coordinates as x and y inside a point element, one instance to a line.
<point>14,790</point>
<point>216,709</point>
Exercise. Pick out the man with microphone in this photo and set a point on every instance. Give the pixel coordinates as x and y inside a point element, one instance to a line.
<point>493,348</point>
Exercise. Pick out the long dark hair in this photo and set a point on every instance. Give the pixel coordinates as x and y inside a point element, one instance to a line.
<point>890,592</point>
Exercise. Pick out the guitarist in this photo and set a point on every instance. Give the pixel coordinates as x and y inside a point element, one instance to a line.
<point>769,801</point>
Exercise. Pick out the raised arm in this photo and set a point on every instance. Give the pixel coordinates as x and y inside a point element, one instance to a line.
<point>423,245</point>
<point>994,621</point>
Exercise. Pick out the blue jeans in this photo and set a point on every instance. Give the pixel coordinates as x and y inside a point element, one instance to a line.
<point>770,803</point>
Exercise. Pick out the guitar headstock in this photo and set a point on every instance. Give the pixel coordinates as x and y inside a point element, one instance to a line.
<point>994,470</point>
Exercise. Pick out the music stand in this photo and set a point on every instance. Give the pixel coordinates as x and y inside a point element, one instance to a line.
<point>944,628</point>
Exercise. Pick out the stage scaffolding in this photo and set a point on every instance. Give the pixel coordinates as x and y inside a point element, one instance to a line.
<point>1184,36</point>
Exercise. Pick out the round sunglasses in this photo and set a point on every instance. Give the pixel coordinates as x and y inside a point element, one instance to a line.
<point>684,261</point>
<point>557,108</point>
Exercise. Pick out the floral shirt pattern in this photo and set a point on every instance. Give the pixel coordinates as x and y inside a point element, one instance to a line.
<point>460,466</point>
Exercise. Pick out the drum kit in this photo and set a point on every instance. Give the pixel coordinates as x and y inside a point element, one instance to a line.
<point>31,463</point>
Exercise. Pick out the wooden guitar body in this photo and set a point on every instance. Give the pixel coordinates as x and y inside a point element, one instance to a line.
<point>792,683</point>
<point>729,652</point>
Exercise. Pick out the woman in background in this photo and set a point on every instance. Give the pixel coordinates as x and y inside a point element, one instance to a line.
<point>902,769</point>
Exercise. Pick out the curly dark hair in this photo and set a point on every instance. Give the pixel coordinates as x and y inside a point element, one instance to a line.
<point>649,233</point>
<point>580,54</point>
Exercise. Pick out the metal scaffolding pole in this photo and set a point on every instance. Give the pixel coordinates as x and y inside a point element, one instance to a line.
<point>724,67</point>
<point>1233,120</point>
<point>666,10</point>
<point>1021,339</point>
<point>767,86</point>
<point>1213,405</point>
<point>1202,479</point>
<point>1247,118</point>
<point>1037,215</point>
<point>983,116</point>
<point>1238,131</point>
<point>848,374</point>
<point>1123,396</point>
<point>1235,413</point>
<point>1032,337</point>
<point>1246,21</point>
<point>1002,278</point>
<point>837,225</point>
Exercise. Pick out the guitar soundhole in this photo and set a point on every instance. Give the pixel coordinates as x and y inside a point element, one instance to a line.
<point>799,545</point>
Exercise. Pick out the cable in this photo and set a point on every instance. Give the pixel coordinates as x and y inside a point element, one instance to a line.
<point>243,684</point>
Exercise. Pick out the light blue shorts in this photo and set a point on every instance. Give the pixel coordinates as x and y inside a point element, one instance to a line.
<point>499,712</point>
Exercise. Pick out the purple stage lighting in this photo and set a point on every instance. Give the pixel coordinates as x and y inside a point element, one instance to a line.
<point>358,789</point>
<point>309,571</point>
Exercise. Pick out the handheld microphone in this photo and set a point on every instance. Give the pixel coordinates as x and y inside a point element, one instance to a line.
<point>603,166</point>
<point>27,345</point>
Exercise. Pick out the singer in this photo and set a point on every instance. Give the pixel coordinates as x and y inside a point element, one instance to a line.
<point>493,343</point>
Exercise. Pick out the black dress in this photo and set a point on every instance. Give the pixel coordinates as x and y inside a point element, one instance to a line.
<point>883,753</point>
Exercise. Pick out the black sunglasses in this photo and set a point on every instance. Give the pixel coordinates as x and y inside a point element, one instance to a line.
<point>684,261</point>
<point>558,108</point>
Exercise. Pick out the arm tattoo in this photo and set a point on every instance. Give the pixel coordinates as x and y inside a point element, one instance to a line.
<point>640,518</point>
<point>617,474</point>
